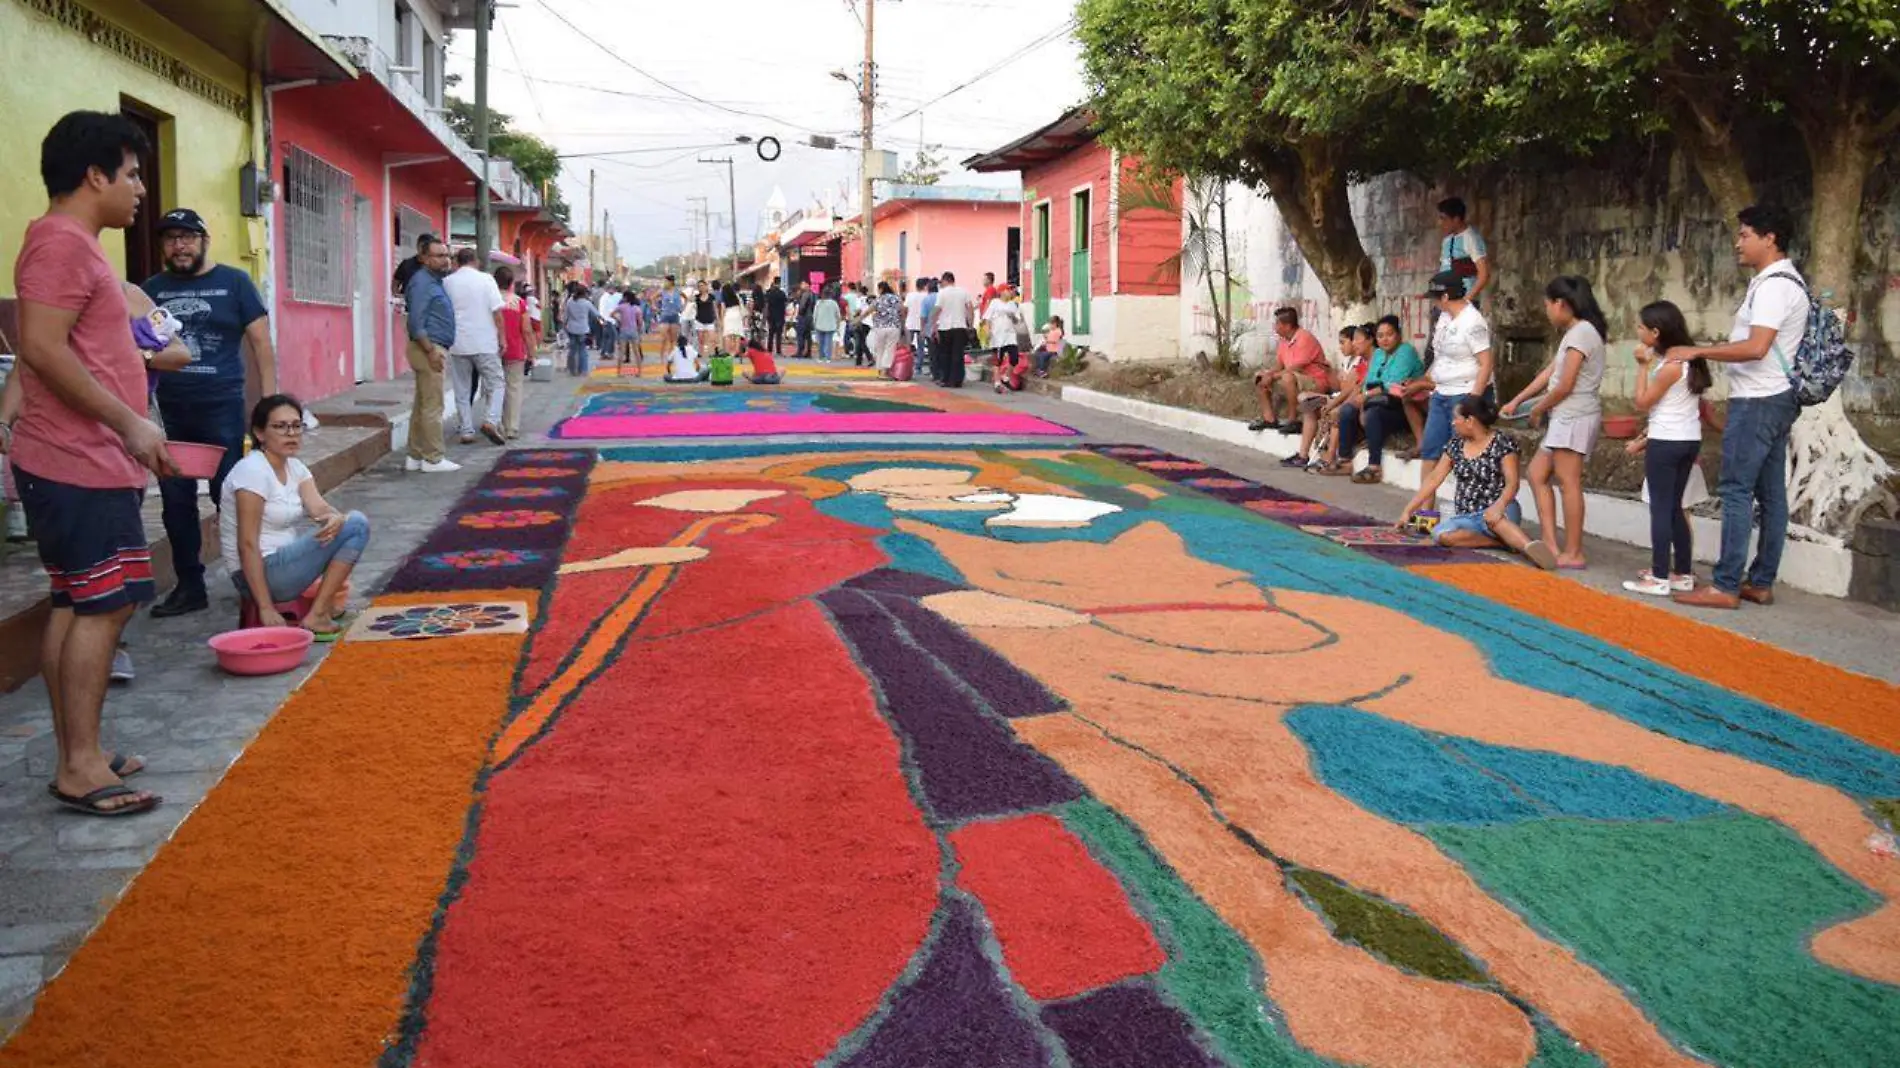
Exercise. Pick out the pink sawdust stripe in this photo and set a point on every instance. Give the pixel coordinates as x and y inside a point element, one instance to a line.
<point>759,424</point>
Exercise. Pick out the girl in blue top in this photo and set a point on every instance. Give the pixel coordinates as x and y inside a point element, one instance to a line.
<point>1382,407</point>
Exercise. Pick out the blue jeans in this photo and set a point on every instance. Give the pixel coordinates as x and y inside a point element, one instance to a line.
<point>1754,476</point>
<point>290,569</point>
<point>1438,422</point>
<point>218,422</point>
<point>824,343</point>
<point>1474,522</point>
<point>577,354</point>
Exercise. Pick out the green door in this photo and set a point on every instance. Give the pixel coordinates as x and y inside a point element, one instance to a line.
<point>1079,292</point>
<point>1039,281</point>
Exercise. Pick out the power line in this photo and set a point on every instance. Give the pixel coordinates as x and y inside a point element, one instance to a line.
<point>1039,42</point>
<point>533,97</point>
<point>656,79</point>
<point>642,151</point>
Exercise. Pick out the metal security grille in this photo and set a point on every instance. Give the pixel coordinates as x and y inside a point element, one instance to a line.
<point>410,225</point>
<point>317,203</point>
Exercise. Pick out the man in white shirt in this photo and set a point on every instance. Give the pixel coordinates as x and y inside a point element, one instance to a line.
<point>477,349</point>
<point>1762,407</point>
<point>914,318</point>
<point>950,329</point>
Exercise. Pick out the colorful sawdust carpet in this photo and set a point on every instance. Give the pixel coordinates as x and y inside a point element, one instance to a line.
<point>937,757</point>
<point>699,411</point>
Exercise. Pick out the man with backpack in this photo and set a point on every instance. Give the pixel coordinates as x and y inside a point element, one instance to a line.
<point>1776,361</point>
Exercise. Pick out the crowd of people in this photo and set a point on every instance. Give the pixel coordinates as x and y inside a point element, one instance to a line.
<point>1447,400</point>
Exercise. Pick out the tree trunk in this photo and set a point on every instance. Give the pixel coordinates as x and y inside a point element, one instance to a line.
<point>1309,186</point>
<point>1710,145</point>
<point>1834,476</point>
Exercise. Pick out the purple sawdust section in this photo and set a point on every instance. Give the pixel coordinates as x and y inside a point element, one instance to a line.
<point>905,583</point>
<point>1126,1026</point>
<point>492,550</point>
<point>969,764</point>
<point>957,1014</point>
<point>1281,506</point>
<point>1002,686</point>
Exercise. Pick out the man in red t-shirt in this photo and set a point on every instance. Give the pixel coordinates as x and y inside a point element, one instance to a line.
<point>83,445</point>
<point>1299,366</point>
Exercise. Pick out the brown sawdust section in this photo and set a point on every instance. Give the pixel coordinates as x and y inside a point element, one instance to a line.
<point>279,924</point>
<point>1853,704</point>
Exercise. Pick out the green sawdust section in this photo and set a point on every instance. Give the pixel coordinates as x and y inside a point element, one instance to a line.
<point>1385,930</point>
<point>1889,811</point>
<point>1215,975</point>
<point>1707,922</point>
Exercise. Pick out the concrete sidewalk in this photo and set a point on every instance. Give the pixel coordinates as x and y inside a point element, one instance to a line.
<point>61,872</point>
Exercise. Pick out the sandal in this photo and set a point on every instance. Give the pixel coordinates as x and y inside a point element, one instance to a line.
<point>89,803</point>
<point>1371,476</point>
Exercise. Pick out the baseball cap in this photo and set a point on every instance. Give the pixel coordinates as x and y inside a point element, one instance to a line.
<point>1446,284</point>
<point>182,219</point>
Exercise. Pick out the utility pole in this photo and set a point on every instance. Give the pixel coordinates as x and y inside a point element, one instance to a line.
<point>700,213</point>
<point>732,207</point>
<point>867,96</point>
<point>484,236</point>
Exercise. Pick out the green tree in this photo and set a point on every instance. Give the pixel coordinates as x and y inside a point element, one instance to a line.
<point>927,168</point>
<point>535,160</point>
<point>1205,252</point>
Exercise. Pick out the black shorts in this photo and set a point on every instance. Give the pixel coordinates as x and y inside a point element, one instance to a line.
<point>91,541</point>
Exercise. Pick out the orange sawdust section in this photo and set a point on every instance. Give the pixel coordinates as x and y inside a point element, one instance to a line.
<point>280,923</point>
<point>1853,704</point>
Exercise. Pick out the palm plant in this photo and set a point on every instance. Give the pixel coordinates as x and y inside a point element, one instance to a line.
<point>1204,255</point>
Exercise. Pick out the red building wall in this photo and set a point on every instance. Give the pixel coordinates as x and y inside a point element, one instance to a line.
<point>1149,238</point>
<point>1057,182</point>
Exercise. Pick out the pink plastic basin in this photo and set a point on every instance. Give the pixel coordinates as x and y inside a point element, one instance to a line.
<point>261,650</point>
<point>194,460</point>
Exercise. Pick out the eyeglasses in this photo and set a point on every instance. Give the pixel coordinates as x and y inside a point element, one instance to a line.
<point>286,428</point>
<point>181,238</point>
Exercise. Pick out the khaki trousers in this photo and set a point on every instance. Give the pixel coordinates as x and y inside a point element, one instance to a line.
<point>425,417</point>
<point>516,374</point>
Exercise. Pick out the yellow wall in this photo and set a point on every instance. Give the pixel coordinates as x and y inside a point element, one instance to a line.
<point>47,70</point>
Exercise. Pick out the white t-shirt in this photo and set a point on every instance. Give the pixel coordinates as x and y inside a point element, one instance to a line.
<point>1585,399</point>
<point>1455,347</point>
<point>953,308</point>
<point>476,298</point>
<point>914,311</point>
<point>1782,303</point>
<point>681,365</point>
<point>1678,415</point>
<point>608,303</point>
<point>1004,317</point>
<point>283,507</point>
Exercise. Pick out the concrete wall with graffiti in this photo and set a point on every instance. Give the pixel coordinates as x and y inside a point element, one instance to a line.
<point>1656,238</point>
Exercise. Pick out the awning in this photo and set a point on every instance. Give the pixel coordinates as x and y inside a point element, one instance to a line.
<point>754,269</point>
<point>808,237</point>
<point>259,35</point>
<point>1058,139</point>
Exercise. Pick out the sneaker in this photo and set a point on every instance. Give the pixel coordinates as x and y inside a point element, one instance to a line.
<point>493,435</point>
<point>467,439</point>
<point>1258,425</point>
<point>1682,583</point>
<point>411,464</point>
<point>183,600</point>
<point>440,467</point>
<point>1293,461</point>
<point>121,666</point>
<point>1649,585</point>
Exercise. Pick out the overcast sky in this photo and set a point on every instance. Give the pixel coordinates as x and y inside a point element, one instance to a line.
<point>772,58</point>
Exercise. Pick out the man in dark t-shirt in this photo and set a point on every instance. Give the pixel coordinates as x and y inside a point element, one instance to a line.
<point>775,301</point>
<point>219,314</point>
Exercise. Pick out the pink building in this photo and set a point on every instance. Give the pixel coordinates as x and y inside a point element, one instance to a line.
<point>927,230</point>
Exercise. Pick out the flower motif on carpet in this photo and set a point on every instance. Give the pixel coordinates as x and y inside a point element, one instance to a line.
<point>442,621</point>
<point>538,472</point>
<point>480,559</point>
<point>524,493</point>
<point>514,519</point>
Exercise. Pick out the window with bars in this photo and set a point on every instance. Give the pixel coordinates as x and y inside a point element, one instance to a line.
<point>318,199</point>
<point>410,225</point>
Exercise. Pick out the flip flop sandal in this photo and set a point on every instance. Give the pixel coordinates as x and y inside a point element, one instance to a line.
<point>1369,477</point>
<point>89,803</point>
<point>117,764</point>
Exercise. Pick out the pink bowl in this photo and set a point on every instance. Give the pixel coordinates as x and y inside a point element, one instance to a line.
<point>261,650</point>
<point>194,460</point>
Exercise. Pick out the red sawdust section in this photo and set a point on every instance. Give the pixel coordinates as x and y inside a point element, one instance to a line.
<point>1064,922</point>
<point>711,859</point>
<point>280,924</point>
<point>1852,704</point>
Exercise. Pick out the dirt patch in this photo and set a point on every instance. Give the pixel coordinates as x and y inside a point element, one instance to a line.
<point>1176,385</point>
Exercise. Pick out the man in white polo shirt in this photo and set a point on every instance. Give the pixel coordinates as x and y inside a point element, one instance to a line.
<point>1762,408</point>
<point>477,349</point>
<point>950,327</point>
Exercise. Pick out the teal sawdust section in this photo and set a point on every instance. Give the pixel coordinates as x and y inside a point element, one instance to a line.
<point>1415,776</point>
<point>1707,922</point>
<point>1211,972</point>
